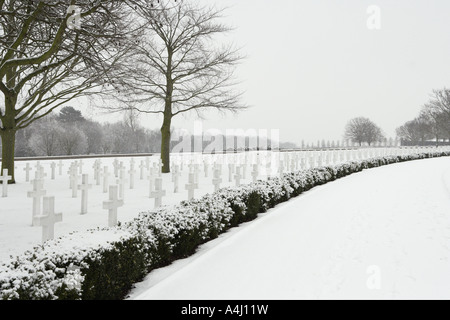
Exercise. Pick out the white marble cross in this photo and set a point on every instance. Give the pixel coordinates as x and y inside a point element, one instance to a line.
<point>142,166</point>
<point>40,171</point>
<point>72,173</point>
<point>132,172</point>
<point>176,178</point>
<point>230,172</point>
<point>255,173</point>
<point>319,160</point>
<point>238,176</point>
<point>121,182</point>
<point>74,182</point>
<point>99,176</point>
<point>37,165</point>
<point>217,180</point>
<point>151,179</point>
<point>311,161</point>
<point>196,173</point>
<point>4,180</point>
<point>53,166</point>
<point>37,193</point>
<point>244,170</point>
<point>156,169</point>
<point>191,186</point>
<point>84,187</point>
<point>116,167</point>
<point>302,163</point>
<point>48,219</point>
<point>60,166</point>
<point>80,166</point>
<point>97,171</point>
<point>105,179</point>
<point>112,205</point>
<point>160,165</point>
<point>281,168</point>
<point>27,170</point>
<point>158,193</point>
<point>206,168</point>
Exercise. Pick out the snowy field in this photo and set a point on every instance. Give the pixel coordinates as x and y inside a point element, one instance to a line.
<point>383,233</point>
<point>17,233</point>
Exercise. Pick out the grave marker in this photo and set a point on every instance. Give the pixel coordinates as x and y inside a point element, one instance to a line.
<point>84,187</point>
<point>191,186</point>
<point>158,193</point>
<point>105,179</point>
<point>217,180</point>
<point>112,205</point>
<point>4,180</point>
<point>48,219</point>
<point>37,193</point>
<point>27,170</point>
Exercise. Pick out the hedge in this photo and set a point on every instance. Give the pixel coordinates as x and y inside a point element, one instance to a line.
<point>105,263</point>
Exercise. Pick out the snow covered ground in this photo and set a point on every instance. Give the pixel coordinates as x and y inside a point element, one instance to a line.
<point>18,235</point>
<point>382,233</point>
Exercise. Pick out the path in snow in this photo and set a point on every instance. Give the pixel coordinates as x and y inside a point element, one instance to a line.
<point>382,233</point>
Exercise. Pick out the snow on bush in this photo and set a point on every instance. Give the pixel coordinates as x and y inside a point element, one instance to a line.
<point>104,263</point>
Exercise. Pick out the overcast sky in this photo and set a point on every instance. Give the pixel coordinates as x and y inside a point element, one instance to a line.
<point>314,64</point>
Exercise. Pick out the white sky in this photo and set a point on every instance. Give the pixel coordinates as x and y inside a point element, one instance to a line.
<point>314,64</point>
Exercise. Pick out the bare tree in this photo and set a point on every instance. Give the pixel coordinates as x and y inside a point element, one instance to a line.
<point>416,131</point>
<point>439,101</point>
<point>437,121</point>
<point>179,68</point>
<point>51,52</point>
<point>72,141</point>
<point>362,130</point>
<point>45,138</point>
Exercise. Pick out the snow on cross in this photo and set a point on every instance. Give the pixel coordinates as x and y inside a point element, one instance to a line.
<point>84,187</point>
<point>53,167</point>
<point>112,205</point>
<point>158,193</point>
<point>4,179</point>
<point>217,180</point>
<point>48,219</point>
<point>27,170</point>
<point>191,186</point>
<point>37,193</point>
<point>121,181</point>
<point>105,179</point>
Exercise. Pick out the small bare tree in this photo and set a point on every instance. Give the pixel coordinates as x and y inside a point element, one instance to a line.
<point>362,130</point>
<point>178,68</point>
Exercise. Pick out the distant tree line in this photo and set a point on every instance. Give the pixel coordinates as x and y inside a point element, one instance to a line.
<point>432,125</point>
<point>70,133</point>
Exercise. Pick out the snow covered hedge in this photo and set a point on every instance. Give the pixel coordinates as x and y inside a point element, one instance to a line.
<point>105,263</point>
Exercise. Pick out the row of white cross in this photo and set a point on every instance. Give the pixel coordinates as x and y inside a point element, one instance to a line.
<point>237,170</point>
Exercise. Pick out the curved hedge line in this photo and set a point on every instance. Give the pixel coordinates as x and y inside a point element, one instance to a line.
<point>154,239</point>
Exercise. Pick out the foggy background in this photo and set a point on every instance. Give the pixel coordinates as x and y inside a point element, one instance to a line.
<point>313,65</point>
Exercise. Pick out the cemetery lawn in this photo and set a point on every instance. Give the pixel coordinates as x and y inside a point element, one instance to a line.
<point>383,233</point>
<point>17,234</point>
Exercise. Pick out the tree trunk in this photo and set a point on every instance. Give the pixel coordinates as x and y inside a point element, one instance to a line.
<point>8,137</point>
<point>165,144</point>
